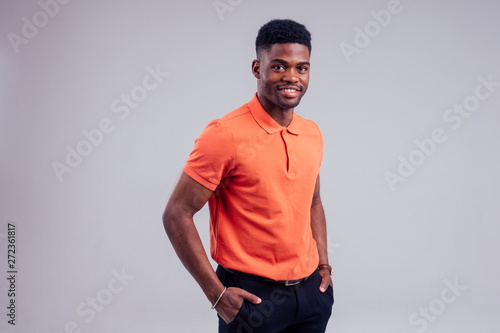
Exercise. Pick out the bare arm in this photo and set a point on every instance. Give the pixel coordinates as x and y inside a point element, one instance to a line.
<point>318,226</point>
<point>187,198</point>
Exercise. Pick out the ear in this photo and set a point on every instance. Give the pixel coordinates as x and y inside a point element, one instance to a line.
<point>256,69</point>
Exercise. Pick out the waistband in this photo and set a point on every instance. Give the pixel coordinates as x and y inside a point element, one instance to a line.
<point>258,278</point>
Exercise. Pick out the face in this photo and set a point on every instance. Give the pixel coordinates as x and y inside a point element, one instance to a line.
<point>283,76</point>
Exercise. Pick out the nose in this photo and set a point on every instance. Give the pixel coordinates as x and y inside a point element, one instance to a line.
<point>291,75</point>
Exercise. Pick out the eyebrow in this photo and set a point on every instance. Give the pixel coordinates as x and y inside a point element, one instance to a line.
<point>281,61</point>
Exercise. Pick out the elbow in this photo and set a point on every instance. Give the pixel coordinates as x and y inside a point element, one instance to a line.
<point>168,221</point>
<point>175,219</point>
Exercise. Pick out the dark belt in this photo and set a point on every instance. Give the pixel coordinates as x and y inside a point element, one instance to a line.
<point>258,278</point>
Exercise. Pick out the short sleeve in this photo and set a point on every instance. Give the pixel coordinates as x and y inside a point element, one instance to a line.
<point>212,157</point>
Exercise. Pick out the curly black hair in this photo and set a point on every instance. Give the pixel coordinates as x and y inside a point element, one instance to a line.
<point>280,32</point>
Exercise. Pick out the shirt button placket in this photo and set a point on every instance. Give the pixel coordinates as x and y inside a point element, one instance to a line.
<point>283,136</point>
<point>291,156</point>
<point>290,166</point>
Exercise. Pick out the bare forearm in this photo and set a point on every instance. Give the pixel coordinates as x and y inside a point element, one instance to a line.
<point>318,226</point>
<point>188,246</point>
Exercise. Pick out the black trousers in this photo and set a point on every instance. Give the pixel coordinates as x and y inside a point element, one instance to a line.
<point>301,308</point>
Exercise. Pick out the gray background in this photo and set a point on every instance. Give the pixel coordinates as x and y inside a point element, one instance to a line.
<point>391,250</point>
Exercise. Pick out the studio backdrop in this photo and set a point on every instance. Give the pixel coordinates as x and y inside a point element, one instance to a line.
<point>100,104</point>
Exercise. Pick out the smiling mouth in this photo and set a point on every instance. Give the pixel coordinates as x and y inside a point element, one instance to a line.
<point>289,89</point>
<point>289,92</point>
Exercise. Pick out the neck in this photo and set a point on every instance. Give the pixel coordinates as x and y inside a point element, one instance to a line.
<point>282,116</point>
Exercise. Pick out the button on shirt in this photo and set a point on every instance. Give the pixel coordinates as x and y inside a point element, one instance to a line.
<point>263,176</point>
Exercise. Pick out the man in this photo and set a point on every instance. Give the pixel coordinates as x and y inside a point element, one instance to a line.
<point>258,168</point>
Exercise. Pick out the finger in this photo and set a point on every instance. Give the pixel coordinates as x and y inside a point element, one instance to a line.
<point>325,281</point>
<point>250,297</point>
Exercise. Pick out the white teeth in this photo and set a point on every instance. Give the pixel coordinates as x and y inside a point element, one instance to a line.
<point>290,90</point>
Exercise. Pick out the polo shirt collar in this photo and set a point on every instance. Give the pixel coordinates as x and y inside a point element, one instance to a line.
<point>267,122</point>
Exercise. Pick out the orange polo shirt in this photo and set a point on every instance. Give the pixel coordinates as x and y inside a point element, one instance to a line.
<point>263,177</point>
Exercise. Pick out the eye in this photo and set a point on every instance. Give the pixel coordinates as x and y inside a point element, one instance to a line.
<point>303,69</point>
<point>278,67</point>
